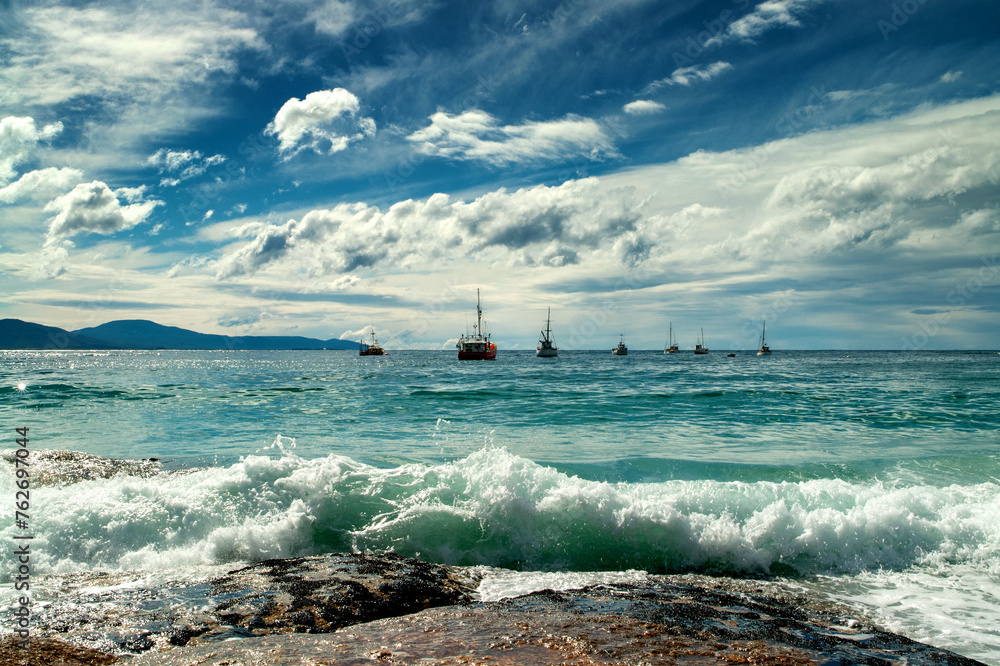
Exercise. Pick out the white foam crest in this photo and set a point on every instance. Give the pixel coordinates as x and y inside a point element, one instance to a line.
<point>495,508</point>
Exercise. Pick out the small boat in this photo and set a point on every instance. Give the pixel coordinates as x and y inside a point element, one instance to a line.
<point>621,349</point>
<point>372,348</point>
<point>700,348</point>
<point>730,355</point>
<point>763,350</point>
<point>546,346</point>
<point>671,347</point>
<point>476,347</point>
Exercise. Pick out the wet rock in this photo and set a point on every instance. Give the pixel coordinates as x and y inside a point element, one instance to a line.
<point>658,623</point>
<point>50,652</point>
<point>361,609</point>
<point>51,467</point>
<point>321,594</point>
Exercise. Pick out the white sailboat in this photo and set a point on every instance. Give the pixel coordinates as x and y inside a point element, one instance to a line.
<point>700,348</point>
<point>546,345</point>
<point>763,349</point>
<point>671,347</point>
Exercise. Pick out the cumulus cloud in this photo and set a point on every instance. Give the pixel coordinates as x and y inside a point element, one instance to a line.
<point>685,76</point>
<point>95,208</point>
<point>325,121</point>
<point>532,226</point>
<point>41,184</point>
<point>643,107</point>
<point>182,164</point>
<point>18,138</point>
<point>476,135</point>
<point>766,16</point>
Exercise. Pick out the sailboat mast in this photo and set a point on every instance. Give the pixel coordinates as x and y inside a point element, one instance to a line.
<point>479,316</point>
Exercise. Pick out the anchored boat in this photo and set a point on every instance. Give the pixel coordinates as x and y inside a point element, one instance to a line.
<point>700,347</point>
<point>546,346</point>
<point>671,347</point>
<point>476,347</point>
<point>621,349</point>
<point>371,348</point>
<point>763,350</point>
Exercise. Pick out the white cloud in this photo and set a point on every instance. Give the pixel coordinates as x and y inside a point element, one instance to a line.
<point>949,77</point>
<point>765,17</point>
<point>18,138</point>
<point>476,135</point>
<point>41,184</point>
<point>533,226</point>
<point>684,76</point>
<point>94,208</point>
<point>104,52</point>
<point>643,107</point>
<point>183,164</point>
<point>325,121</point>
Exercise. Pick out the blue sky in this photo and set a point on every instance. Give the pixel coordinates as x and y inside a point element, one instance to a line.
<point>315,167</point>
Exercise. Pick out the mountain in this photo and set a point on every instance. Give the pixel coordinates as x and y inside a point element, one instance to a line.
<point>17,334</point>
<point>143,334</point>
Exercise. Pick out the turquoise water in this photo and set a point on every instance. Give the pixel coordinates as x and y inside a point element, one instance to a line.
<point>871,477</point>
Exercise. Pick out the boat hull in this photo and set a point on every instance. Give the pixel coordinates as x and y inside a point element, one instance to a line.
<point>487,355</point>
<point>546,353</point>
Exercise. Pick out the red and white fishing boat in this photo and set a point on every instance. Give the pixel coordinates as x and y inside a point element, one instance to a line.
<point>476,347</point>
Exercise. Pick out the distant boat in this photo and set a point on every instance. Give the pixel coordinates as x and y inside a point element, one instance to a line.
<point>372,348</point>
<point>476,347</point>
<point>700,348</point>
<point>671,347</point>
<point>621,349</point>
<point>546,346</point>
<point>763,350</point>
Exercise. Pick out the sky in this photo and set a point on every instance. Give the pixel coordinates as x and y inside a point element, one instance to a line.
<point>321,167</point>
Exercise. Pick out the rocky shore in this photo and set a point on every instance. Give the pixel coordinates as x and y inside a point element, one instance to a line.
<point>362,609</point>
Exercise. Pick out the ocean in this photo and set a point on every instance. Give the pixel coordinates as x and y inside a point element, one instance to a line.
<point>868,478</point>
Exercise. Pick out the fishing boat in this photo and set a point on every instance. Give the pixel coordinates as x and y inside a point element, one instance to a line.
<point>763,349</point>
<point>671,347</point>
<point>700,348</point>
<point>476,347</point>
<point>621,349</point>
<point>371,348</point>
<point>546,346</point>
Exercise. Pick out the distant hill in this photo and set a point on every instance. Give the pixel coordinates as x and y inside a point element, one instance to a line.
<point>143,334</point>
<point>17,334</point>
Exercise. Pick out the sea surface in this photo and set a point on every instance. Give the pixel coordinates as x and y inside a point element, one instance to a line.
<point>870,478</point>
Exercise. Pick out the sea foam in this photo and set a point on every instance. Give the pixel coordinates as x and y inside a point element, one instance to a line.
<point>497,509</point>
